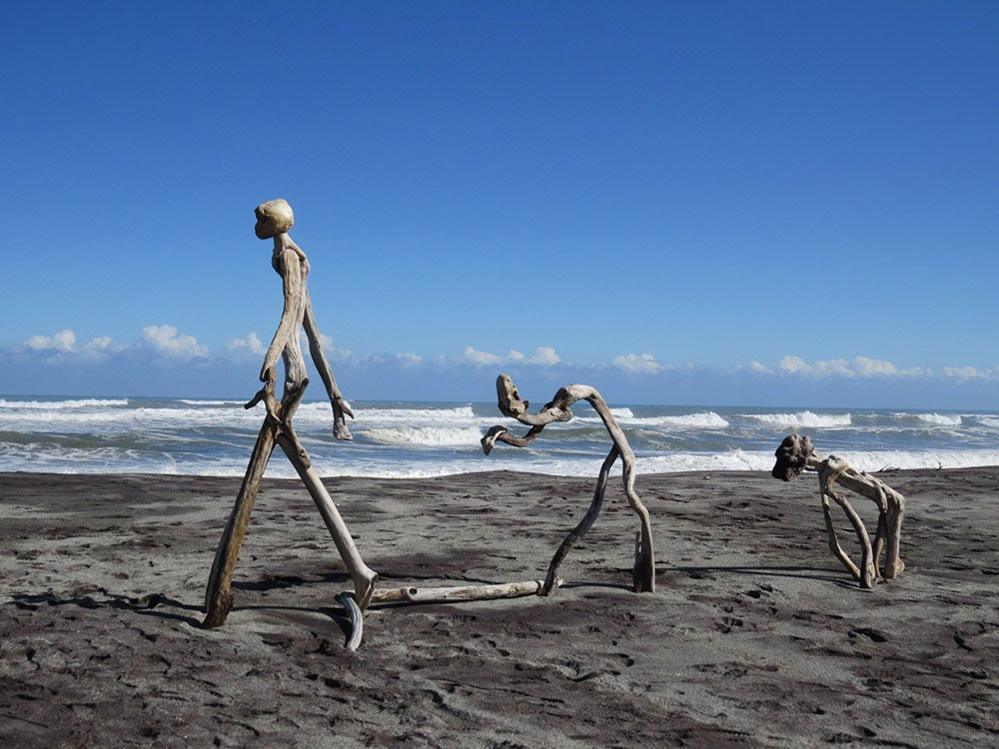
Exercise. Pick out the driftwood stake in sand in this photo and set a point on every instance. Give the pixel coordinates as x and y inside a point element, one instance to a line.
<point>558,409</point>
<point>796,454</point>
<point>274,219</point>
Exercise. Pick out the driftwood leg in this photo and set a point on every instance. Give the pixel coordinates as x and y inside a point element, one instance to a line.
<point>584,525</point>
<point>866,554</point>
<point>879,542</point>
<point>834,546</point>
<point>218,596</point>
<point>643,574</point>
<point>893,563</point>
<point>363,576</point>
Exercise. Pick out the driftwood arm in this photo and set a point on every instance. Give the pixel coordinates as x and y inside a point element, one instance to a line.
<point>341,409</point>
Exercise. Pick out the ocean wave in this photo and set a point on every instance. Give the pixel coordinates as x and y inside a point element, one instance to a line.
<point>990,421</point>
<point>706,420</point>
<point>943,420</point>
<point>803,419</point>
<point>60,404</point>
<point>313,414</point>
<point>40,458</point>
<point>395,414</point>
<point>210,402</point>
<point>425,436</point>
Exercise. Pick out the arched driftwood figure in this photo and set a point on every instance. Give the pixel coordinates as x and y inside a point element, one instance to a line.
<point>558,409</point>
<point>274,220</point>
<point>796,454</point>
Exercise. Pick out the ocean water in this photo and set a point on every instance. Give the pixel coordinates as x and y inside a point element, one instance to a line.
<point>214,437</point>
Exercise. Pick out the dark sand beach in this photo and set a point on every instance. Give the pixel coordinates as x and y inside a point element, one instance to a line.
<point>755,638</point>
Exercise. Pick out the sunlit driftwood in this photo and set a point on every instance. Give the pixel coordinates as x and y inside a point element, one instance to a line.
<point>559,410</point>
<point>796,454</point>
<point>274,219</point>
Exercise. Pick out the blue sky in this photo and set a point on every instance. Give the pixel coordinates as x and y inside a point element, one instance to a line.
<point>751,203</point>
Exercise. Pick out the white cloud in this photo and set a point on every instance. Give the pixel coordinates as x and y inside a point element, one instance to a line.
<point>970,373</point>
<point>474,356</point>
<point>408,359</point>
<point>250,343</point>
<point>755,366</point>
<point>638,363</point>
<point>859,366</point>
<point>165,340</point>
<point>543,356</point>
<point>64,340</point>
<point>99,343</point>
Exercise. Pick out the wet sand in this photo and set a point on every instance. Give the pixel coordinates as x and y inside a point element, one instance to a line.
<point>755,638</point>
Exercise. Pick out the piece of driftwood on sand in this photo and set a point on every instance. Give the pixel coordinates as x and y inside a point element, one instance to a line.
<point>274,220</point>
<point>559,410</point>
<point>796,454</point>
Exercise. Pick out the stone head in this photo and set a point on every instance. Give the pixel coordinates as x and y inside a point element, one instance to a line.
<point>792,455</point>
<point>273,217</point>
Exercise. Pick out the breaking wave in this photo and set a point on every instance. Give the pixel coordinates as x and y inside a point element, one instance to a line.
<point>399,439</point>
<point>426,436</point>
<point>943,420</point>
<point>804,419</point>
<point>707,420</point>
<point>56,405</point>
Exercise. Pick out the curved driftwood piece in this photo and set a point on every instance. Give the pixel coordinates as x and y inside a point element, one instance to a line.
<point>274,219</point>
<point>796,454</point>
<point>356,617</point>
<point>558,409</point>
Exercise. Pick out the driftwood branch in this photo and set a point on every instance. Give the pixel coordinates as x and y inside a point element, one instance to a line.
<point>414,594</point>
<point>796,454</point>
<point>559,410</point>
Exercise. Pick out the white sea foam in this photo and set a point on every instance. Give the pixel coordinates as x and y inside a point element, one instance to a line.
<point>874,460</point>
<point>456,414</point>
<point>211,403</point>
<point>314,414</point>
<point>803,419</point>
<point>109,460</point>
<point>706,420</point>
<point>990,421</point>
<point>61,404</point>
<point>944,420</point>
<point>426,436</point>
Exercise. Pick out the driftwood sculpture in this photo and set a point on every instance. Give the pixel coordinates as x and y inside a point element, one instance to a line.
<point>274,220</point>
<point>796,454</point>
<point>558,409</point>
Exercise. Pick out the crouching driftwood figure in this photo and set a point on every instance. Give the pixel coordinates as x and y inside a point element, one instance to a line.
<point>558,409</point>
<point>274,219</point>
<point>796,454</point>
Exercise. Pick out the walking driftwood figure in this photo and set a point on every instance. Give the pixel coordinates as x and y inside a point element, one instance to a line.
<point>558,409</point>
<point>796,454</point>
<point>274,220</point>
